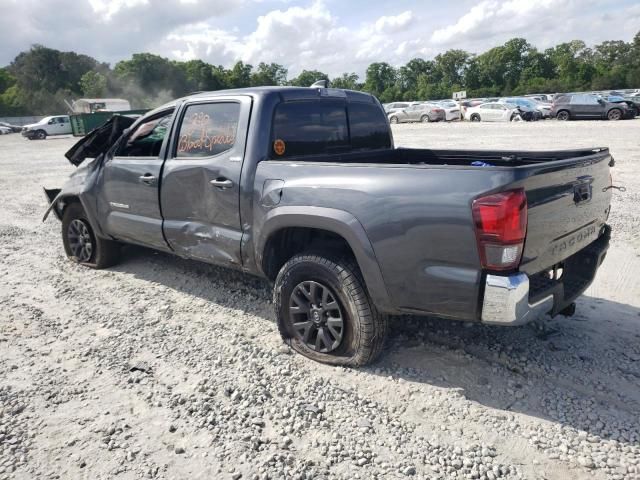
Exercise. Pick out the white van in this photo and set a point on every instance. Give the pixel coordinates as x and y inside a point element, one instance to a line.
<point>55,125</point>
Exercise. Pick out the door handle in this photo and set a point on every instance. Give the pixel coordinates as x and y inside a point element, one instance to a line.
<point>147,178</point>
<point>221,183</point>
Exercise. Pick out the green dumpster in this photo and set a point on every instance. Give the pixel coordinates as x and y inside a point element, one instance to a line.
<point>83,123</point>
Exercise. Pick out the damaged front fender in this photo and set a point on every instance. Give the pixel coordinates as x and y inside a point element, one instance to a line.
<point>53,197</point>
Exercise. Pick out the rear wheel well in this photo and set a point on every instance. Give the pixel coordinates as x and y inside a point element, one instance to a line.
<point>287,242</point>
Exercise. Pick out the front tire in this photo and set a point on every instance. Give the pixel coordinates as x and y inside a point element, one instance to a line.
<point>324,311</point>
<point>80,242</point>
<point>614,114</point>
<point>41,135</point>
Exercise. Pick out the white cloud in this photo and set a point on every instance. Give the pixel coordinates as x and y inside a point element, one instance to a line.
<point>300,38</point>
<point>303,34</point>
<point>394,23</point>
<point>490,22</point>
<point>108,8</point>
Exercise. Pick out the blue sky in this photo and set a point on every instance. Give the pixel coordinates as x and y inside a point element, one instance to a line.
<point>334,36</point>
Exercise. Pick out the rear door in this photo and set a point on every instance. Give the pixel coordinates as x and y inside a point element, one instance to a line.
<point>200,195</point>
<point>130,182</point>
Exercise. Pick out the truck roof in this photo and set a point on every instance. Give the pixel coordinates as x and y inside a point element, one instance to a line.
<point>287,93</point>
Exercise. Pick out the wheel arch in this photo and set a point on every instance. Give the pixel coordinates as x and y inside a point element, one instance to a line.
<point>60,200</point>
<point>320,226</point>
<point>612,109</point>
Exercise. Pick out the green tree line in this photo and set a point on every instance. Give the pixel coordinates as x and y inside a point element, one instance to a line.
<point>39,80</point>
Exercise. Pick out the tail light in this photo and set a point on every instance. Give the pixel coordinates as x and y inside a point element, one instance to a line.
<point>501,227</point>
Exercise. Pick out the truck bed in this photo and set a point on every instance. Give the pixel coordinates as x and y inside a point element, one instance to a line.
<point>415,206</point>
<point>424,156</point>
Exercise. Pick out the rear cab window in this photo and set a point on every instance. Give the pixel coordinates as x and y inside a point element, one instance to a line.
<point>368,126</point>
<point>313,127</point>
<point>325,127</point>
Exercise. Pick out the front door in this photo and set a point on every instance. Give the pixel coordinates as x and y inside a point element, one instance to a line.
<point>200,195</point>
<point>131,177</point>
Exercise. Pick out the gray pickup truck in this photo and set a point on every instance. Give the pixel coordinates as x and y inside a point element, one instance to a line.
<point>303,186</point>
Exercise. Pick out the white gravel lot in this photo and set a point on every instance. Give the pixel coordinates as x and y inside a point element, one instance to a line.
<point>166,368</point>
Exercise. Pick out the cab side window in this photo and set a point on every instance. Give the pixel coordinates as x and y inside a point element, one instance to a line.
<point>146,140</point>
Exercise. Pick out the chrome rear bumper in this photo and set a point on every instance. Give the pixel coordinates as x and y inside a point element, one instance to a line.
<point>517,298</point>
<point>506,301</point>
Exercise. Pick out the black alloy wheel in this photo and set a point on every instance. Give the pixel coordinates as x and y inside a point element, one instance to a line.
<point>324,311</point>
<point>563,115</point>
<point>80,240</point>
<point>81,244</point>
<point>316,315</point>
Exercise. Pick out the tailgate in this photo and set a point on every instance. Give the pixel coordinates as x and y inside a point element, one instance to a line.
<point>568,205</point>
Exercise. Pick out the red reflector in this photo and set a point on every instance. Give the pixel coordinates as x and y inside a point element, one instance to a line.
<point>501,221</point>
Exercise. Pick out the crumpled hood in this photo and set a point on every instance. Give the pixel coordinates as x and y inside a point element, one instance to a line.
<point>98,141</point>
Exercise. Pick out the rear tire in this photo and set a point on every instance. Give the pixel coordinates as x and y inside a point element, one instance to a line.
<point>425,119</point>
<point>393,120</point>
<point>305,313</point>
<point>80,242</point>
<point>475,118</point>
<point>563,115</point>
<point>614,114</point>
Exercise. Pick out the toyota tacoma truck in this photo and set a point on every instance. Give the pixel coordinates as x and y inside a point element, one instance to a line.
<point>304,187</point>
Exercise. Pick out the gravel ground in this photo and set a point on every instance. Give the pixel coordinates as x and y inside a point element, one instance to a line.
<point>167,368</point>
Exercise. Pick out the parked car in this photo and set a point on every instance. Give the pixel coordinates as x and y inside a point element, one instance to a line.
<point>470,103</point>
<point>451,109</point>
<point>56,125</point>
<point>541,97</point>
<point>5,130</point>
<point>492,112</point>
<point>397,106</point>
<point>13,128</point>
<point>422,112</point>
<point>301,186</point>
<point>632,102</point>
<point>587,106</point>
<point>529,104</point>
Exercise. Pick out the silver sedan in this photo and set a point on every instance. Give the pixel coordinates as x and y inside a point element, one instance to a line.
<point>418,113</point>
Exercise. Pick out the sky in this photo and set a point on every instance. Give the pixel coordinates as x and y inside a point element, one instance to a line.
<point>333,36</point>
